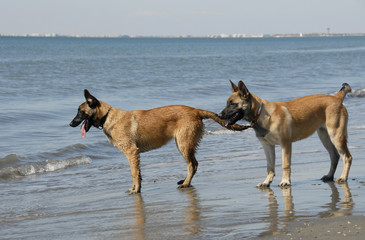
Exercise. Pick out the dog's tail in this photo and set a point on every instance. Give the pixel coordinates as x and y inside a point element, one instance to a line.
<point>204,114</point>
<point>343,91</point>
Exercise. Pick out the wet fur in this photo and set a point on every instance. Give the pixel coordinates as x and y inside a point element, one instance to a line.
<point>135,132</point>
<point>282,123</point>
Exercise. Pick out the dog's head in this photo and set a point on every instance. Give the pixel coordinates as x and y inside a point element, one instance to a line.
<point>238,104</point>
<point>87,113</point>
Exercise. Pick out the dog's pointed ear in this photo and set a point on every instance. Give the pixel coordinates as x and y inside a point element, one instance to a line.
<point>234,87</point>
<point>243,91</point>
<point>91,100</point>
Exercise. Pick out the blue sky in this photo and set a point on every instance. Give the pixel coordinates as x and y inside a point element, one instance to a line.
<point>180,17</point>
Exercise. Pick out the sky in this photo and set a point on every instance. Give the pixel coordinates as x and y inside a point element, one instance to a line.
<point>180,17</point>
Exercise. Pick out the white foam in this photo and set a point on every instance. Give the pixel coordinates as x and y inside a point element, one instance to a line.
<point>221,131</point>
<point>360,93</point>
<point>42,167</point>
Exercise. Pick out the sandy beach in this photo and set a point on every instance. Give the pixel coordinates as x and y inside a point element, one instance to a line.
<point>345,227</point>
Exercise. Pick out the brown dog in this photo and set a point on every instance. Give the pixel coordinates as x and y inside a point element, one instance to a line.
<point>281,123</point>
<point>134,132</point>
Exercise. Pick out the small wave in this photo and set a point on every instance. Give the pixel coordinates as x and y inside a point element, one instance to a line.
<point>32,168</point>
<point>9,160</point>
<point>63,151</point>
<point>360,93</point>
<point>221,131</point>
<point>358,127</point>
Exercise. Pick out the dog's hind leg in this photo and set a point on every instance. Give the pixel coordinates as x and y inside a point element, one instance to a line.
<point>337,130</point>
<point>270,158</point>
<point>192,166</point>
<point>187,142</point>
<point>341,146</point>
<point>334,156</point>
<point>340,143</point>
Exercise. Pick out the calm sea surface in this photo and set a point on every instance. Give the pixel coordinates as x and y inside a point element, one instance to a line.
<point>54,184</point>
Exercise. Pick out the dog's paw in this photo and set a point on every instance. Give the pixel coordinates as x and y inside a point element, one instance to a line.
<point>284,184</point>
<point>180,182</point>
<point>133,191</point>
<point>327,178</point>
<point>263,185</point>
<point>184,186</point>
<point>341,180</point>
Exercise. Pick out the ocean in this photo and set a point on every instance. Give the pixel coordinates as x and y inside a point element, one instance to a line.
<point>55,184</point>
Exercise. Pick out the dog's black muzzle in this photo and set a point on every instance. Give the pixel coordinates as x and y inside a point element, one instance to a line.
<point>231,115</point>
<point>79,118</point>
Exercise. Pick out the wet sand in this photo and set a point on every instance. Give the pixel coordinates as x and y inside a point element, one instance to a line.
<point>345,227</point>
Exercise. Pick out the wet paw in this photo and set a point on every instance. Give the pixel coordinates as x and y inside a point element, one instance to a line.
<point>284,184</point>
<point>327,178</point>
<point>263,185</point>
<point>184,186</point>
<point>341,180</point>
<point>133,191</point>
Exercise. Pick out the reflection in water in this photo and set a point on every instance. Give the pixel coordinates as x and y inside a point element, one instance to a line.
<point>190,218</point>
<point>334,208</point>
<point>273,217</point>
<point>191,212</point>
<point>139,226</point>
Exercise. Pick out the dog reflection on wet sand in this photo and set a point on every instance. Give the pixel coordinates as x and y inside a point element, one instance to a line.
<point>281,211</point>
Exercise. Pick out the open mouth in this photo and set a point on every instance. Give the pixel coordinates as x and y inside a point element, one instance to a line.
<point>235,117</point>
<point>85,127</point>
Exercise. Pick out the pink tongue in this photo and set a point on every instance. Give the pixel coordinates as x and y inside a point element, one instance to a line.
<point>83,130</point>
<point>226,123</point>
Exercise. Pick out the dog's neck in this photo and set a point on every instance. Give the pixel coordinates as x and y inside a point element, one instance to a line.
<point>256,116</point>
<point>103,119</point>
<point>257,107</point>
<point>104,114</point>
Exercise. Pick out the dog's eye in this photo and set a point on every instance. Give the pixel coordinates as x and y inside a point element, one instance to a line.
<point>231,103</point>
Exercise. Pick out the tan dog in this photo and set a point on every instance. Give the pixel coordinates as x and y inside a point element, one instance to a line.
<point>134,132</point>
<point>281,123</point>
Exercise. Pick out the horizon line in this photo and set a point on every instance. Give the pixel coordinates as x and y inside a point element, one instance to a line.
<point>236,35</point>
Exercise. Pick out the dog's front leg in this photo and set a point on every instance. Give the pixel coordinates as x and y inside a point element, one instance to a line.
<point>133,159</point>
<point>286,150</point>
<point>270,159</point>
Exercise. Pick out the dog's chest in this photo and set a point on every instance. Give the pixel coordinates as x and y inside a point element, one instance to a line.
<point>109,137</point>
<point>270,137</point>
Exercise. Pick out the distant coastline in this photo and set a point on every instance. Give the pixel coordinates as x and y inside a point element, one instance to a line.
<point>290,35</point>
